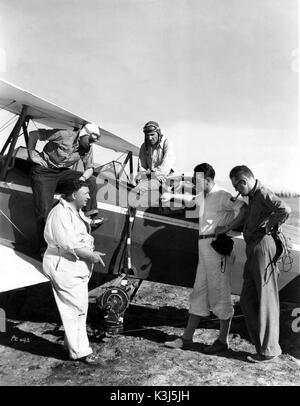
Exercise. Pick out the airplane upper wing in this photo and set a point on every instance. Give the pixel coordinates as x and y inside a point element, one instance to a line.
<point>12,99</point>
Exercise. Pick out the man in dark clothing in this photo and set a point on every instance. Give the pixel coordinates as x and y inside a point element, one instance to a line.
<point>259,298</point>
<point>52,170</point>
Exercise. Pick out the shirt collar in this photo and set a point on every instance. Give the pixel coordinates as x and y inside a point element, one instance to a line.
<point>67,206</point>
<point>256,187</point>
<point>214,189</point>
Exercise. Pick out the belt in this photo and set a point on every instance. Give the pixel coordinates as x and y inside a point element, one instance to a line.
<point>50,166</point>
<point>203,236</point>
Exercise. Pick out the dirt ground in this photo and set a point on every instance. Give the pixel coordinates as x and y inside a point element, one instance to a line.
<point>31,350</point>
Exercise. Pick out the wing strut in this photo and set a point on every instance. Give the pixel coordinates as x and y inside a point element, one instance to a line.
<point>128,158</point>
<point>12,140</point>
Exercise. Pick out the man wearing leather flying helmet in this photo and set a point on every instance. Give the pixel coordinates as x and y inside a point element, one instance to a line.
<point>156,161</point>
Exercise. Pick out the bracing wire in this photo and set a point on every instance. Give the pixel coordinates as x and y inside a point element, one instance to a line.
<point>7,105</point>
<point>13,224</point>
<point>34,124</point>
<point>8,123</point>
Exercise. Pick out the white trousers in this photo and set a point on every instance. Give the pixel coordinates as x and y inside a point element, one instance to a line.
<point>69,281</point>
<point>211,291</point>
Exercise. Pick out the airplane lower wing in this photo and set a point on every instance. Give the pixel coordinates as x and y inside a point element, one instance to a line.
<point>20,270</point>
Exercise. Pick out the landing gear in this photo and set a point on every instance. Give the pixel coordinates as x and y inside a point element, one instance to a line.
<point>116,298</point>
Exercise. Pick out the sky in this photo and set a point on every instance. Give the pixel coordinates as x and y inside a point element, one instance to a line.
<point>219,76</point>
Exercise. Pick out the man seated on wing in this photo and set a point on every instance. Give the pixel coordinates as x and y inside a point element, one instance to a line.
<point>155,164</point>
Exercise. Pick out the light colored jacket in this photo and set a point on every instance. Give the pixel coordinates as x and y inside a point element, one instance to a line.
<point>159,158</point>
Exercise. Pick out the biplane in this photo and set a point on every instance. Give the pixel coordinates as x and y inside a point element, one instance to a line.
<point>150,243</point>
